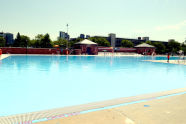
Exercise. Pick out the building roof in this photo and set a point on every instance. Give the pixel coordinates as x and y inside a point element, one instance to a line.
<point>86,41</point>
<point>144,45</point>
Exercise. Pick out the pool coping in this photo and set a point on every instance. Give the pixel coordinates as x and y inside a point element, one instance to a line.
<point>132,55</point>
<point>137,55</point>
<point>45,115</point>
<point>178,62</point>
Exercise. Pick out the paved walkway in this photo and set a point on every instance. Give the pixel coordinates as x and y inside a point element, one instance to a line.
<point>118,54</point>
<point>182,62</point>
<point>170,110</point>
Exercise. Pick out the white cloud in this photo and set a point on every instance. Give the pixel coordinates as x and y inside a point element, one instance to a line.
<point>171,27</point>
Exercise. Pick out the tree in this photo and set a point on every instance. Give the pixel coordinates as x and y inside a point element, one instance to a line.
<point>32,43</point>
<point>21,40</point>
<point>173,46</point>
<point>100,41</point>
<point>46,41</point>
<point>43,41</point>
<point>24,41</point>
<point>160,47</point>
<point>2,42</point>
<point>17,40</point>
<point>73,41</point>
<point>149,42</point>
<point>183,47</point>
<point>61,42</point>
<point>37,40</point>
<point>127,43</point>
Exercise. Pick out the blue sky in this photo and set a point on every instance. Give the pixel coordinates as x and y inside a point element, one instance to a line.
<point>158,19</point>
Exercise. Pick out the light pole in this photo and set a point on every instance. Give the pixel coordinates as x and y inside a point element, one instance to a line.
<point>26,47</point>
<point>67,37</point>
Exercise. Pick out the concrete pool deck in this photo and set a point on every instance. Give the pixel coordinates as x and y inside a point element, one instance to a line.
<point>85,111</point>
<point>181,62</point>
<point>170,110</point>
<point>3,56</point>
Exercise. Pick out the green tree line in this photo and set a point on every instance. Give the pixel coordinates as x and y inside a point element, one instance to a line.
<point>40,41</point>
<point>44,41</point>
<point>172,46</point>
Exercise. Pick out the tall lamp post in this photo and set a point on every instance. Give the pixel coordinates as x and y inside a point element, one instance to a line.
<point>67,37</point>
<point>26,46</point>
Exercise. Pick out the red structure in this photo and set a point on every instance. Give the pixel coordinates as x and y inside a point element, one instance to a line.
<point>0,52</point>
<point>77,51</point>
<point>145,49</point>
<point>127,50</point>
<point>83,47</point>
<point>105,49</point>
<point>7,50</point>
<point>86,47</point>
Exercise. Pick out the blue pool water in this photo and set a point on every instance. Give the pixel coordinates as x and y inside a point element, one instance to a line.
<point>33,83</point>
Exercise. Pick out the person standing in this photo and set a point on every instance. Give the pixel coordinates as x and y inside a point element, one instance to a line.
<point>168,57</point>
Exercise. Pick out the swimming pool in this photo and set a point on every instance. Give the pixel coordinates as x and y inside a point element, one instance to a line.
<point>33,83</point>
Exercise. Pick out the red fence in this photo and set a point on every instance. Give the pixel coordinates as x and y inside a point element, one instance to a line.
<point>7,50</point>
<point>133,50</point>
<point>13,50</point>
<point>105,49</point>
<point>0,51</point>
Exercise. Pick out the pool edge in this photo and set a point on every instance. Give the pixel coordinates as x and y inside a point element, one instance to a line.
<point>3,56</point>
<point>53,113</point>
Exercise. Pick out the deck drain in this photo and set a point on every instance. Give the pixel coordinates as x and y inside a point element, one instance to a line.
<point>146,105</point>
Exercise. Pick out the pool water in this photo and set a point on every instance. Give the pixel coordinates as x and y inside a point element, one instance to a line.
<point>33,83</point>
